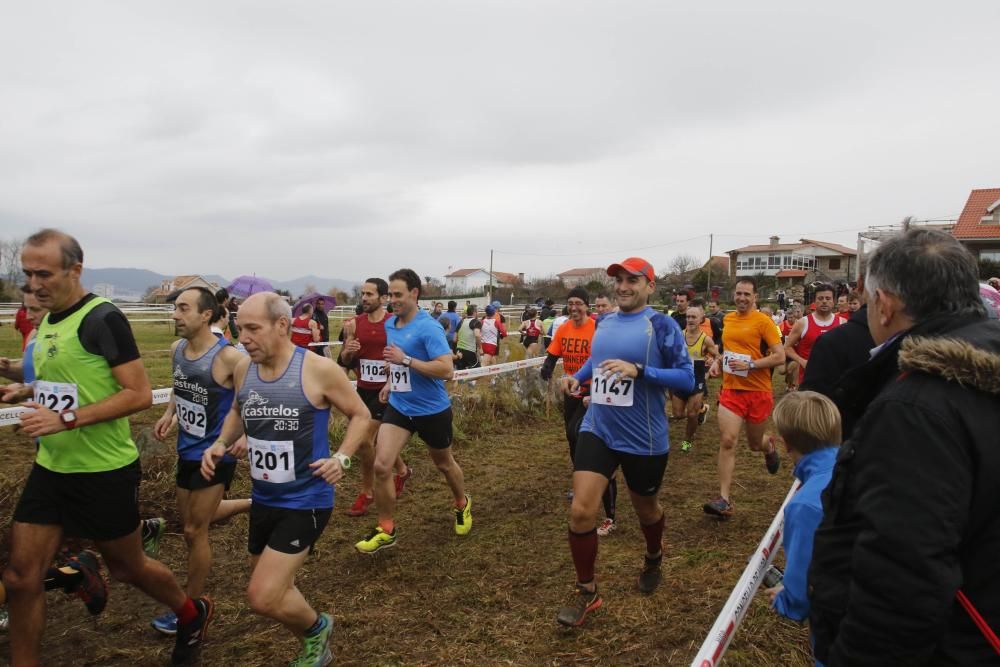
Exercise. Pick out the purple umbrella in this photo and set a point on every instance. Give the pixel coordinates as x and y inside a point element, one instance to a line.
<point>312,298</point>
<point>244,286</point>
<point>991,299</point>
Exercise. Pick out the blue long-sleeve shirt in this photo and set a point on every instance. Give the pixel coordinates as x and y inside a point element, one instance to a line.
<point>803,514</point>
<point>654,340</point>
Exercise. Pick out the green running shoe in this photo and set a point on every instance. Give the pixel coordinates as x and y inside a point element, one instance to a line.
<point>152,533</point>
<point>686,446</point>
<point>316,648</point>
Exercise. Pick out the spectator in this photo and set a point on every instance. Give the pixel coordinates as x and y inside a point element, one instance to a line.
<point>323,322</point>
<point>910,515</point>
<point>809,426</point>
<point>853,302</point>
<point>437,310</point>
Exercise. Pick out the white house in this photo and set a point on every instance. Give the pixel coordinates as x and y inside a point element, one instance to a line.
<point>471,281</point>
<point>575,277</point>
<point>800,262</point>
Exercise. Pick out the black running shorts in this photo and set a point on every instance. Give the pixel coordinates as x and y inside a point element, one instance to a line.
<point>434,429</point>
<point>285,530</point>
<point>466,359</point>
<point>93,505</point>
<point>375,406</point>
<point>189,475</point>
<point>699,382</point>
<point>643,474</point>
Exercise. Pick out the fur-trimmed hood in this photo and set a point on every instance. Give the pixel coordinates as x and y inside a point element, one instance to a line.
<point>973,362</point>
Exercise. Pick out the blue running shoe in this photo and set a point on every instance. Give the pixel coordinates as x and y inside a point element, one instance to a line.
<point>166,624</point>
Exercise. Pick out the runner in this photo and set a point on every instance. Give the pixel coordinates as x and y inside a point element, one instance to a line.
<point>843,305</point>
<point>305,330</point>
<point>680,309</point>
<point>203,366</point>
<point>283,401</point>
<point>603,304</point>
<point>571,343</point>
<point>805,332</point>
<point>746,396</point>
<point>691,404</point>
<point>23,369</point>
<point>220,323</point>
<point>531,331</point>
<point>364,342</point>
<point>419,363</point>
<point>453,319</point>
<point>791,369</point>
<point>636,354</point>
<point>85,479</point>
<point>468,345</point>
<point>492,333</point>
<point>323,323</point>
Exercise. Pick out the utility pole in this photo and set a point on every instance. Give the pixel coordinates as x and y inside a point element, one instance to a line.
<point>708,282</point>
<point>491,275</point>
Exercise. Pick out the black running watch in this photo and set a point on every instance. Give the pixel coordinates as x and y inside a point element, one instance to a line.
<point>640,371</point>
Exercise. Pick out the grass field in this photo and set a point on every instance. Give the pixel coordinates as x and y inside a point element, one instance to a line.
<point>487,599</point>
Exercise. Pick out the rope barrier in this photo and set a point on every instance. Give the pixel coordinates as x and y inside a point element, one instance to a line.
<point>738,604</point>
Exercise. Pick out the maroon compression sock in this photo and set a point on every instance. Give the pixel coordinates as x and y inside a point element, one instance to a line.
<point>654,536</point>
<point>187,613</point>
<point>584,549</point>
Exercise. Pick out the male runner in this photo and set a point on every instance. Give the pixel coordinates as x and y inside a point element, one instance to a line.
<point>680,309</point>
<point>85,481</point>
<point>843,305</point>
<point>452,318</point>
<point>636,353</point>
<point>468,340</point>
<point>492,331</point>
<point>791,367</point>
<point>364,341</point>
<point>571,342</point>
<point>690,404</point>
<point>603,304</point>
<point>746,396</point>
<point>283,401</point>
<point>531,331</point>
<point>305,330</point>
<point>419,363</point>
<point>23,369</point>
<point>806,330</point>
<point>203,394</point>
<point>323,322</point>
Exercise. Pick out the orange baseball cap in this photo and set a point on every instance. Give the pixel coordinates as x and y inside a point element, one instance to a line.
<point>637,266</point>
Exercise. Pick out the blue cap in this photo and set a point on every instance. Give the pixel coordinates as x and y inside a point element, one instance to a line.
<point>490,310</point>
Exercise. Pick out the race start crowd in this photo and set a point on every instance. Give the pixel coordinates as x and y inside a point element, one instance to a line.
<point>890,418</point>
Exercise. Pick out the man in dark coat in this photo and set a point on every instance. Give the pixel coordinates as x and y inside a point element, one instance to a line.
<point>911,514</point>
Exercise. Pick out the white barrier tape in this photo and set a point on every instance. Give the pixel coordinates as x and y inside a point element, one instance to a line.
<point>12,416</point>
<point>331,343</point>
<point>738,604</point>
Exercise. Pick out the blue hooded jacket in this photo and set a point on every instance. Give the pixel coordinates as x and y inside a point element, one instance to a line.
<point>803,514</point>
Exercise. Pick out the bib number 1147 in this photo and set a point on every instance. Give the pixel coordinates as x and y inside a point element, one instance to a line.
<point>612,390</point>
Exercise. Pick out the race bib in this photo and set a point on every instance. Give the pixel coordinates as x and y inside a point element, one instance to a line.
<point>731,356</point>
<point>191,417</point>
<point>612,390</point>
<point>56,396</point>
<point>272,460</point>
<point>372,371</point>
<point>399,378</point>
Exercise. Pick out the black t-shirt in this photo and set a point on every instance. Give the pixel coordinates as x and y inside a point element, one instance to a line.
<point>324,324</point>
<point>104,332</point>
<point>680,318</point>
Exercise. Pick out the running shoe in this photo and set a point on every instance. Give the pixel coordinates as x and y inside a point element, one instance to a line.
<point>703,413</point>
<point>649,576</point>
<point>165,624</point>
<point>569,496</point>
<point>686,446</point>
<point>606,528</point>
<point>772,460</point>
<point>361,505</point>
<point>316,648</point>
<point>92,589</point>
<point>152,533</point>
<point>719,507</point>
<point>190,636</point>
<point>582,603</point>
<point>4,619</point>
<point>377,540</point>
<point>463,517</point>
<point>400,480</point>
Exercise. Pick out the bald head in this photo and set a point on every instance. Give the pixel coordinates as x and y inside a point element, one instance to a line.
<point>267,305</point>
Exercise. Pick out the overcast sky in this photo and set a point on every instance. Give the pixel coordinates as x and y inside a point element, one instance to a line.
<point>348,139</point>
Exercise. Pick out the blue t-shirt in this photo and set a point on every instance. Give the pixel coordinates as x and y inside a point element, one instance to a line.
<point>452,318</point>
<point>422,338</point>
<point>28,362</point>
<point>654,340</point>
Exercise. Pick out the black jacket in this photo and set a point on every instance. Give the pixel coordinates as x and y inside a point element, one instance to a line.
<point>912,513</point>
<point>835,353</point>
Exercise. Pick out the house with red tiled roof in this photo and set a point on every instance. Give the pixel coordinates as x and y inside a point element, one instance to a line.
<point>577,277</point>
<point>795,263</point>
<point>978,228</point>
<point>171,285</point>
<point>470,281</point>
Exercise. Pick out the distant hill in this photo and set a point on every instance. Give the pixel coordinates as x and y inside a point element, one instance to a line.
<point>139,280</point>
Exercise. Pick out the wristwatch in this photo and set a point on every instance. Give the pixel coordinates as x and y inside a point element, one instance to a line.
<point>640,370</point>
<point>407,360</point>
<point>343,459</point>
<point>68,419</point>
<point>752,365</point>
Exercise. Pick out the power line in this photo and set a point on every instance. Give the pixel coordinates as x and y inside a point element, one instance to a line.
<point>602,252</point>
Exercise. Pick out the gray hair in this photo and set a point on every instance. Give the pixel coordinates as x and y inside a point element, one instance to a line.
<point>929,271</point>
<point>278,307</point>
<point>70,248</point>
